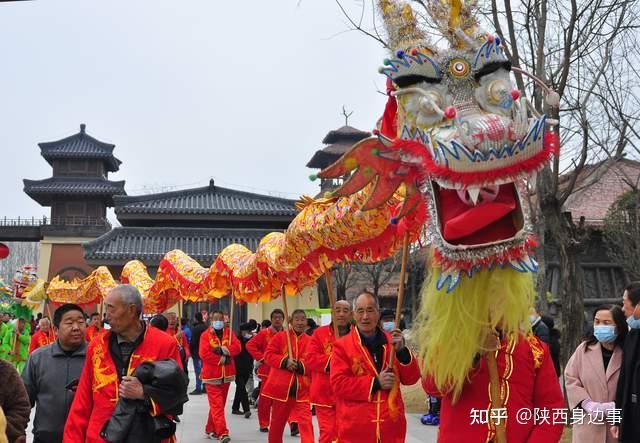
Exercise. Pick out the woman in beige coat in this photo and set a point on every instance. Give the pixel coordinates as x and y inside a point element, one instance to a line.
<point>592,375</point>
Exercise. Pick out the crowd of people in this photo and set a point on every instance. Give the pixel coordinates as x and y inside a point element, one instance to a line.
<point>126,379</point>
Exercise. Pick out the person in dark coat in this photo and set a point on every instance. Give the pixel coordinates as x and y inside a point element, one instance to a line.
<point>554,342</point>
<point>628,391</point>
<point>244,367</point>
<point>198,328</point>
<point>538,327</point>
<point>14,401</point>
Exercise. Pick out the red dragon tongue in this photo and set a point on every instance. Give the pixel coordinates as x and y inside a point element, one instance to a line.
<point>473,225</point>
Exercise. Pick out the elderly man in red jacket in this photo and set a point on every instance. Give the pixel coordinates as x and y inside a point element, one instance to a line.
<point>44,336</point>
<point>257,347</point>
<point>288,382</point>
<point>367,368</point>
<point>218,346</point>
<point>111,359</point>
<point>319,363</point>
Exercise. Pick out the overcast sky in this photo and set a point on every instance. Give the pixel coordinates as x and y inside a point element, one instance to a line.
<point>239,91</point>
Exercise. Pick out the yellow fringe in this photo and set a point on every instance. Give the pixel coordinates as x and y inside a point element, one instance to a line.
<point>452,328</point>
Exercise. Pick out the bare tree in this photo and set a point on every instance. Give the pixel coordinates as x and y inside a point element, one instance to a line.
<point>622,232</point>
<point>376,275</point>
<point>587,51</point>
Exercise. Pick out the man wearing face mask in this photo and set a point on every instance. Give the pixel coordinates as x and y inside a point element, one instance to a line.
<point>628,391</point>
<point>244,366</point>
<point>387,320</point>
<point>218,346</point>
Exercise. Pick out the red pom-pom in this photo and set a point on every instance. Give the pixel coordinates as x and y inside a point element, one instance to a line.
<point>450,112</point>
<point>515,94</point>
<point>414,51</point>
<point>552,141</point>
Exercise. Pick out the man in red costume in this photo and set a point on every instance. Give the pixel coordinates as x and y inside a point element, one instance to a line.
<point>531,396</point>
<point>367,368</point>
<point>218,346</point>
<point>288,382</point>
<point>257,347</point>
<point>43,337</point>
<point>94,327</point>
<point>319,363</point>
<point>180,337</point>
<point>111,359</point>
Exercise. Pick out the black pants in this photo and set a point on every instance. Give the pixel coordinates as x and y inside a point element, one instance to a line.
<point>241,393</point>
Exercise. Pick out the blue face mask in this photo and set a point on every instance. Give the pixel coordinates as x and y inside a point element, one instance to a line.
<point>217,324</point>
<point>388,325</point>
<point>633,323</point>
<point>605,333</point>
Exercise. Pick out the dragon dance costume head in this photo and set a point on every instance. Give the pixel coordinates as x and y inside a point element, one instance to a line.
<point>459,138</point>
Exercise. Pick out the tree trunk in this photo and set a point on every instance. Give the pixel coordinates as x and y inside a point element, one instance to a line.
<point>567,239</point>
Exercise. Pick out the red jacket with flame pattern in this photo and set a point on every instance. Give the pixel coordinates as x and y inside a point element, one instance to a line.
<point>40,339</point>
<point>257,347</point>
<point>212,370</point>
<point>528,382</point>
<point>362,415</point>
<point>97,392</point>
<point>318,361</point>
<point>280,380</point>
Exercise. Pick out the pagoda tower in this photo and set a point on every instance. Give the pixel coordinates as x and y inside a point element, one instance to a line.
<point>79,193</point>
<point>336,142</point>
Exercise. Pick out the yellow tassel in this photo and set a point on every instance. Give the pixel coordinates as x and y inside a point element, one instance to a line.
<point>452,328</point>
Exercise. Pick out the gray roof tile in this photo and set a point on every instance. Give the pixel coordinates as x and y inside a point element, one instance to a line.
<point>80,145</point>
<point>43,190</point>
<point>150,244</point>
<point>210,200</point>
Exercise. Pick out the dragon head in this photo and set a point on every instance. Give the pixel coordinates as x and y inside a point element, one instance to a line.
<point>478,137</point>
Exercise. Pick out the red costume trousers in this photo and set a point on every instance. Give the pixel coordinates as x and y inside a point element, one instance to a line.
<point>327,422</point>
<point>217,395</point>
<point>264,412</point>
<point>281,411</point>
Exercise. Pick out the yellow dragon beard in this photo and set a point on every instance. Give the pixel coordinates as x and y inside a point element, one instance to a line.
<point>450,329</point>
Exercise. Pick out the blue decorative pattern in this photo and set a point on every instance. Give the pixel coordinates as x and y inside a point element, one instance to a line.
<point>458,151</point>
<point>419,64</point>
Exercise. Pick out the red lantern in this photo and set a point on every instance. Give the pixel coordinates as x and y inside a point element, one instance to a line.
<point>4,251</point>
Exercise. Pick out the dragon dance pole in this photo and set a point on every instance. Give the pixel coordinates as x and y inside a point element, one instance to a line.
<point>332,300</point>
<point>403,274</point>
<point>286,319</point>
<point>494,386</point>
<point>231,309</point>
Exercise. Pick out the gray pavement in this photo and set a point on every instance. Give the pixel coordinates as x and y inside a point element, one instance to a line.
<point>191,428</point>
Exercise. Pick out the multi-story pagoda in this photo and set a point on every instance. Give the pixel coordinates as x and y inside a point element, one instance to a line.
<point>336,142</point>
<point>79,191</point>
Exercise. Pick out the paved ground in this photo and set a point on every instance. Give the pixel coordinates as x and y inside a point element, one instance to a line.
<point>246,430</point>
<point>191,429</point>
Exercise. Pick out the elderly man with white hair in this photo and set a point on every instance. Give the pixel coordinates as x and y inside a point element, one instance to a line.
<point>112,358</point>
<point>44,336</point>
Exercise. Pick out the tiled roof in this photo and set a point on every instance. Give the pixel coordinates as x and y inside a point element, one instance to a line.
<point>42,190</point>
<point>150,244</point>
<point>338,142</point>
<point>344,133</point>
<point>81,145</point>
<point>209,200</point>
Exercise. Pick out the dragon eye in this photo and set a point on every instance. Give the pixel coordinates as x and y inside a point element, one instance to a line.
<point>497,90</point>
<point>459,68</point>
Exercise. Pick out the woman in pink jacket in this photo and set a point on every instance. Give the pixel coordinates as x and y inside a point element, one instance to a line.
<point>592,374</point>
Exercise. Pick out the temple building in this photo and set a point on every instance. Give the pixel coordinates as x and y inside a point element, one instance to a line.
<point>199,221</point>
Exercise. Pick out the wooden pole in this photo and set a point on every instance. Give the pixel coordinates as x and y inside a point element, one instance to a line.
<point>231,310</point>
<point>332,301</point>
<point>403,274</point>
<point>179,311</point>
<point>48,306</point>
<point>286,319</point>
<point>496,401</point>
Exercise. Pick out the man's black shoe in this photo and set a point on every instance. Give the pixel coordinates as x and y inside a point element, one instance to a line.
<point>294,430</point>
<point>196,392</point>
